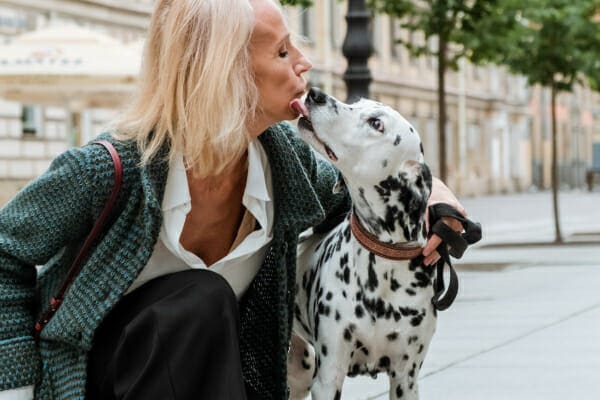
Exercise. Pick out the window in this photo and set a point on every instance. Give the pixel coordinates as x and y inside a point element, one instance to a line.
<point>306,24</point>
<point>394,37</point>
<point>334,24</point>
<point>30,119</point>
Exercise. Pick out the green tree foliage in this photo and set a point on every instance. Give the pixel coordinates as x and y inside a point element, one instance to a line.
<point>555,44</point>
<point>301,3</point>
<point>454,26</point>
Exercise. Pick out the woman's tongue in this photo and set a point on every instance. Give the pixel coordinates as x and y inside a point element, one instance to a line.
<point>299,108</point>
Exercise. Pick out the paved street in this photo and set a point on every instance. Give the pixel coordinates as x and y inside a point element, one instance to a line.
<point>526,324</point>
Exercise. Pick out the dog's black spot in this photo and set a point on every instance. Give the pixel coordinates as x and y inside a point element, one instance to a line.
<point>347,334</point>
<point>397,140</point>
<point>421,146</point>
<point>324,350</point>
<point>394,285</point>
<point>384,362</point>
<point>334,106</point>
<point>421,347</point>
<point>399,391</point>
<point>305,353</point>
<point>407,311</point>
<point>416,321</point>
<point>305,365</point>
<point>337,315</point>
<point>372,282</point>
<point>359,311</point>
<point>329,296</point>
<point>392,336</point>
<point>410,292</point>
<point>365,351</point>
<point>411,373</point>
<point>412,339</point>
<point>347,233</point>
<point>405,357</point>
<point>411,129</point>
<point>423,280</point>
<point>338,395</point>
<point>384,163</point>
<point>344,260</point>
<point>323,309</point>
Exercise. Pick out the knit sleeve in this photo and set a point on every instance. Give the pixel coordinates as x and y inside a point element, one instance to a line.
<point>323,176</point>
<point>36,224</point>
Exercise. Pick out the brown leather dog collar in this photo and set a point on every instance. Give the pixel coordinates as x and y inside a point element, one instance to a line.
<point>392,251</point>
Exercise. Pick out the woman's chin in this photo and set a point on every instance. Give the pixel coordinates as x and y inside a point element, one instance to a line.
<point>290,116</point>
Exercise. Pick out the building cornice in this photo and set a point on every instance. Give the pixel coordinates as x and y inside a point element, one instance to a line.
<point>110,12</point>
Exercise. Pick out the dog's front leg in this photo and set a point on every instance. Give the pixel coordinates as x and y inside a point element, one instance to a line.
<point>402,386</point>
<point>330,378</point>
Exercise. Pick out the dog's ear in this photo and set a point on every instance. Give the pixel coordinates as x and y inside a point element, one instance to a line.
<point>339,185</point>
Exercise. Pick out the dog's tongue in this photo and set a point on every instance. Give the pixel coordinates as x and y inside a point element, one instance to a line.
<point>298,106</point>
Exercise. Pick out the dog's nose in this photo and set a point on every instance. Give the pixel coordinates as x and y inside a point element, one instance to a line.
<point>315,95</point>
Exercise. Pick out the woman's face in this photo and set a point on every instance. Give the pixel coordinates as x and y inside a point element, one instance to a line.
<point>278,65</point>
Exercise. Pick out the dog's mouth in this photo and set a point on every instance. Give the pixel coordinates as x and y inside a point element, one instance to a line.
<point>305,123</point>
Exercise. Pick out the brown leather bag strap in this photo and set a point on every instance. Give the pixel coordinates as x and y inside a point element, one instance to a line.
<point>77,263</point>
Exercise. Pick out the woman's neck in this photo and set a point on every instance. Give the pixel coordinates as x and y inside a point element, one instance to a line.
<point>258,125</point>
<point>220,186</point>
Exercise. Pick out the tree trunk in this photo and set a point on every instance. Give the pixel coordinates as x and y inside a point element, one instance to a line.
<point>443,45</point>
<point>555,184</point>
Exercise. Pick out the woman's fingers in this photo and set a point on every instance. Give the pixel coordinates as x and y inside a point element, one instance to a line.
<point>432,258</point>
<point>432,244</point>
<point>429,251</point>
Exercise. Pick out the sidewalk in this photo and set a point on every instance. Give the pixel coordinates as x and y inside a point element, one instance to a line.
<point>526,323</point>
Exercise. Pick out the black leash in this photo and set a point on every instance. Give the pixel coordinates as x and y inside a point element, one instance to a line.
<point>453,244</point>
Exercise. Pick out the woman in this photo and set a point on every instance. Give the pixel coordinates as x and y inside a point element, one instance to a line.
<point>212,183</point>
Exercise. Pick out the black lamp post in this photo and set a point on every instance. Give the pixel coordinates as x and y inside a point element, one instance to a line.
<point>357,49</point>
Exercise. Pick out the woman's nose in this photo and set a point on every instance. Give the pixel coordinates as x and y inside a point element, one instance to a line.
<point>302,65</point>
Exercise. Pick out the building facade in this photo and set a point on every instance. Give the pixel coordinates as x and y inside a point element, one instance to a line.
<point>498,128</point>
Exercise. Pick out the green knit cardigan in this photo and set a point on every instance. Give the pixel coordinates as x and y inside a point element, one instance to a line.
<point>47,221</point>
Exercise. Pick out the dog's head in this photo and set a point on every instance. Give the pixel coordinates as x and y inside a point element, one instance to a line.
<point>380,157</point>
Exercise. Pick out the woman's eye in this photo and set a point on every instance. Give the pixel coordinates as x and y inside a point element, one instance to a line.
<point>376,124</point>
<point>283,53</point>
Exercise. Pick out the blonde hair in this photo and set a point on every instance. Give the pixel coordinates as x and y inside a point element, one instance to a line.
<point>196,88</point>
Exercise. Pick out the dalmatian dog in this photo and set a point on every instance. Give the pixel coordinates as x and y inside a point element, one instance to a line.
<point>361,312</point>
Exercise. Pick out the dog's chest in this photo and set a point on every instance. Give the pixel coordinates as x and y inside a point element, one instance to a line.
<point>342,283</point>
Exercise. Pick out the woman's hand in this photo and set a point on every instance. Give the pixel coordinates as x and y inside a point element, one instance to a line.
<point>440,194</point>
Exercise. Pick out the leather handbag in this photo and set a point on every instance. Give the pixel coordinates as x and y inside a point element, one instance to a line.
<point>75,268</point>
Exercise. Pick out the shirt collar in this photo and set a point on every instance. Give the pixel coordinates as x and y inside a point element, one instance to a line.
<point>177,192</point>
<point>256,185</point>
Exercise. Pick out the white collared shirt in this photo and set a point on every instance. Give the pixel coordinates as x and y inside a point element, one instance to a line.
<point>241,265</point>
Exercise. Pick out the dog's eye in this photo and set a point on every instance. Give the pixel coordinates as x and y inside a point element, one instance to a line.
<point>376,124</point>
